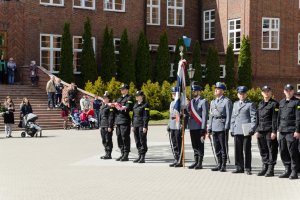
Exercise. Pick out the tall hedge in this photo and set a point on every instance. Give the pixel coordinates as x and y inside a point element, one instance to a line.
<point>108,60</point>
<point>88,61</point>
<point>162,69</point>
<point>245,71</point>
<point>126,71</point>
<point>212,66</point>
<point>230,80</point>
<point>66,58</point>
<point>143,62</point>
<point>197,63</point>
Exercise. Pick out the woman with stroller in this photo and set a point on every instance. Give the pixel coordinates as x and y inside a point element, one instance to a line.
<point>9,118</point>
<point>65,111</point>
<point>25,108</point>
<point>140,119</point>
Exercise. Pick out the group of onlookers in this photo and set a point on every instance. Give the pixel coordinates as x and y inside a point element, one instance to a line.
<point>54,89</point>
<point>7,71</point>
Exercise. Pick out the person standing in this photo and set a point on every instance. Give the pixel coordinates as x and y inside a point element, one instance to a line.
<point>243,120</point>
<point>58,92</point>
<point>72,93</point>
<point>266,131</point>
<point>64,105</point>
<point>219,125</point>
<point>11,68</point>
<point>140,119</point>
<point>96,106</point>
<point>289,132</point>
<point>25,108</point>
<point>33,72</point>
<point>106,124</point>
<point>9,118</point>
<point>123,106</point>
<point>198,115</point>
<point>50,89</point>
<point>174,133</point>
<point>2,70</point>
<point>84,103</point>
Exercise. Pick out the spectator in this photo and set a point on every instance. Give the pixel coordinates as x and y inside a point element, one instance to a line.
<point>64,105</point>
<point>2,69</point>
<point>58,94</point>
<point>50,89</point>
<point>33,72</point>
<point>96,106</point>
<point>9,118</point>
<point>11,68</point>
<point>25,108</point>
<point>72,93</point>
<point>84,103</point>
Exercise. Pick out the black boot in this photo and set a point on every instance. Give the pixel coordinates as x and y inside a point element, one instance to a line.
<point>263,170</point>
<point>195,163</point>
<point>294,175</point>
<point>199,164</point>
<point>179,163</point>
<point>286,173</point>
<point>142,160</point>
<point>218,167</point>
<point>138,159</point>
<point>107,156</point>
<point>121,156</point>
<point>125,157</point>
<point>102,157</point>
<point>270,171</point>
<point>223,166</point>
<point>174,163</point>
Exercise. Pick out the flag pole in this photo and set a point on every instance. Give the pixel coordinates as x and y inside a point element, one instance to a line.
<point>182,119</point>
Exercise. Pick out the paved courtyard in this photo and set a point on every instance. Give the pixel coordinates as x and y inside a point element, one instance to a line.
<point>65,165</point>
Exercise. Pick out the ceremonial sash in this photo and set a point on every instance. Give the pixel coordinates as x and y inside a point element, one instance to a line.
<point>195,115</point>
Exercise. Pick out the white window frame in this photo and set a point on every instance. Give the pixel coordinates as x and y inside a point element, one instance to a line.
<point>270,30</point>
<point>51,3</point>
<point>298,87</point>
<point>113,9</point>
<point>209,21</point>
<point>172,48</point>
<point>235,31</point>
<point>222,75</point>
<point>116,39</point>
<point>151,6</point>
<point>154,48</point>
<point>51,49</point>
<point>80,50</point>
<point>82,6</point>
<point>175,8</point>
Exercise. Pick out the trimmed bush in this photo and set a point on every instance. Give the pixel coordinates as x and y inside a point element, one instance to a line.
<point>156,115</point>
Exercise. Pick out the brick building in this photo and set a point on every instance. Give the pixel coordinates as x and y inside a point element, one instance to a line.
<point>31,29</point>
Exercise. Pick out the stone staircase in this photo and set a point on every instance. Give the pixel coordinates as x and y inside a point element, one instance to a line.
<point>48,119</point>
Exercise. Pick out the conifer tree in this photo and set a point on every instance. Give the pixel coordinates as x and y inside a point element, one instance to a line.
<point>245,71</point>
<point>162,68</point>
<point>212,66</point>
<point>229,62</point>
<point>197,63</point>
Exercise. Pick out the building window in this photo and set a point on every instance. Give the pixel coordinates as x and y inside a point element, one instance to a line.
<point>222,70</point>
<point>3,44</point>
<point>85,4</point>
<point>77,49</point>
<point>154,47</point>
<point>209,24</point>
<point>153,12</point>
<point>234,33</point>
<point>114,5</point>
<point>50,46</point>
<point>117,45</point>
<point>175,13</point>
<point>52,2</point>
<point>270,33</point>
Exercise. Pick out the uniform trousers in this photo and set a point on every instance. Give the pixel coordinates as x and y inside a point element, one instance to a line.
<point>197,144</point>
<point>242,152</point>
<point>123,138</point>
<point>140,140</point>
<point>220,144</point>
<point>288,146</point>
<point>176,140</point>
<point>106,139</point>
<point>268,148</point>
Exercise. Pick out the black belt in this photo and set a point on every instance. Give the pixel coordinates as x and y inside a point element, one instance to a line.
<point>220,117</point>
<point>173,117</point>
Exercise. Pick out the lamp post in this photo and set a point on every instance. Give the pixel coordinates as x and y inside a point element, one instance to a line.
<point>191,73</point>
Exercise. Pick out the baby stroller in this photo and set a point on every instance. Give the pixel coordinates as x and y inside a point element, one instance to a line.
<point>75,120</point>
<point>31,128</point>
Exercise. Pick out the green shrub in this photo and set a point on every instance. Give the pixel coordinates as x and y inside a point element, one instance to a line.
<point>156,115</point>
<point>166,114</point>
<point>113,87</point>
<point>254,95</point>
<point>153,94</point>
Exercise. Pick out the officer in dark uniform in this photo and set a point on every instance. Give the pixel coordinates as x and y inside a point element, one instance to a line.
<point>198,115</point>
<point>106,123</point>
<point>266,130</point>
<point>297,95</point>
<point>140,119</point>
<point>219,125</point>
<point>243,121</point>
<point>175,133</point>
<point>289,132</point>
<point>123,106</point>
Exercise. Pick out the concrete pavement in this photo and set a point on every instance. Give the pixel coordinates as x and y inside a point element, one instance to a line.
<point>65,165</point>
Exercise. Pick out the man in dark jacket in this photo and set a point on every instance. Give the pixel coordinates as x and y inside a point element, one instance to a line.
<point>266,129</point>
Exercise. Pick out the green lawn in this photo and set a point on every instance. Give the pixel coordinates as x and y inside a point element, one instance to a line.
<point>159,122</point>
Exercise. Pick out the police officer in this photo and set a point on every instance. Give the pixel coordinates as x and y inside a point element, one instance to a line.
<point>266,129</point>
<point>123,106</point>
<point>174,133</point>
<point>219,124</point>
<point>243,120</point>
<point>106,123</point>
<point>140,119</point>
<point>289,132</point>
<point>198,115</point>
